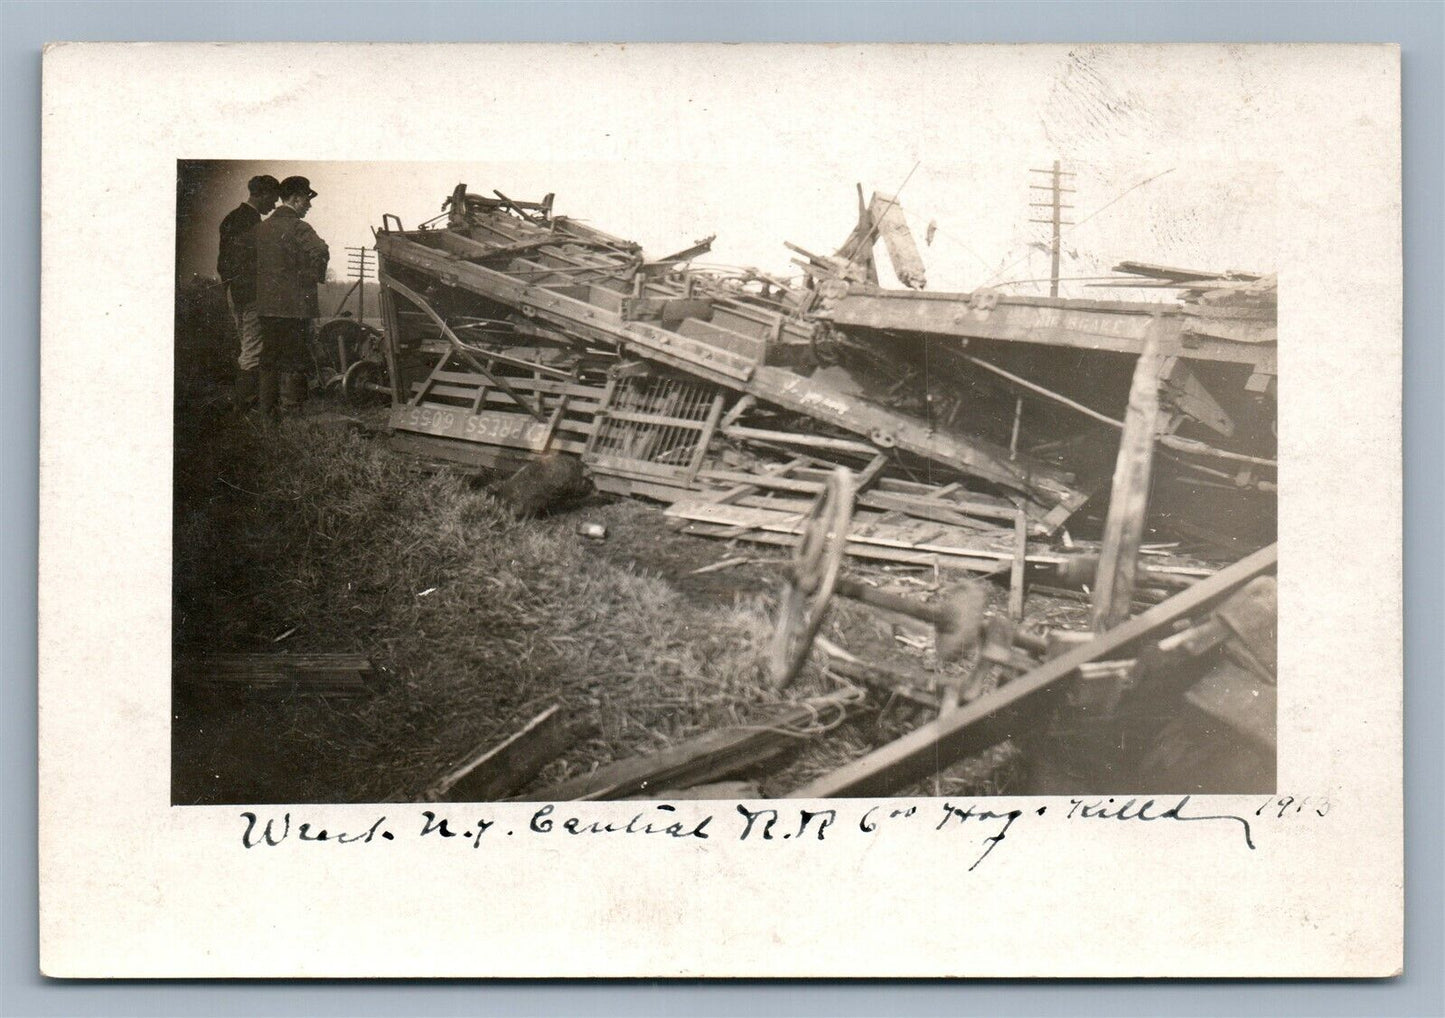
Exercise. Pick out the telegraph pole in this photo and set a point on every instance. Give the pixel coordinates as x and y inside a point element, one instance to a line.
<point>360,262</point>
<point>1057,207</point>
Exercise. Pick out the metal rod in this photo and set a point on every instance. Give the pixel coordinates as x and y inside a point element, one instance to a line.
<point>1033,387</point>
<point>461,349</point>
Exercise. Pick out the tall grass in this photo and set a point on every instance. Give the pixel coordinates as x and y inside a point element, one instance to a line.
<point>474,620</point>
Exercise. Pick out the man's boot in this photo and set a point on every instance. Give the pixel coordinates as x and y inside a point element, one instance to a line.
<point>268,384</point>
<point>293,392</point>
<point>247,386</point>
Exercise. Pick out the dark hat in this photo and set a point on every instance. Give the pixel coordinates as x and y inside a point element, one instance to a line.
<point>265,184</point>
<point>292,186</point>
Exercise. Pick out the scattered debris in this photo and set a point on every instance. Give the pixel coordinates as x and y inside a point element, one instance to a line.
<point>727,563</point>
<point>957,432</point>
<point>951,436</point>
<point>981,724</point>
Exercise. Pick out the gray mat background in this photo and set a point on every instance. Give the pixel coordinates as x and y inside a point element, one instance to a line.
<point>1418,27</point>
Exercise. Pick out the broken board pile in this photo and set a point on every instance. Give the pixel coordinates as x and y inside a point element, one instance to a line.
<point>730,395</point>
<point>974,427</point>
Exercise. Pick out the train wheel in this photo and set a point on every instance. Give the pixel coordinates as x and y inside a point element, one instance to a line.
<point>811,579</point>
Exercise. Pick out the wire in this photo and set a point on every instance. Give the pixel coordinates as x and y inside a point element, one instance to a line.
<point>1081,222</point>
<point>1101,208</point>
<point>873,228</point>
<point>957,240</point>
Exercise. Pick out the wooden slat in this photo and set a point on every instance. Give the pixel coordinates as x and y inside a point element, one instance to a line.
<point>660,420</point>
<point>709,428</point>
<point>762,481</point>
<point>523,383</point>
<point>924,509</point>
<point>431,388</point>
<point>780,522</point>
<point>655,488</point>
<point>869,552</point>
<point>630,467</point>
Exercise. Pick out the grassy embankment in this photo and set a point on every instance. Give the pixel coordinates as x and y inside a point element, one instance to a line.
<point>476,621</point>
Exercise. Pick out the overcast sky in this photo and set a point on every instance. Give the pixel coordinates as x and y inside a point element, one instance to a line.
<point>761,145</point>
<point>1196,216</point>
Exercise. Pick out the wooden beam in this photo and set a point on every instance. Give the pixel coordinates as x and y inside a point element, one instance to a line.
<point>993,717</point>
<point>1129,498</point>
<point>497,772</point>
<point>1016,569</point>
<point>709,757</point>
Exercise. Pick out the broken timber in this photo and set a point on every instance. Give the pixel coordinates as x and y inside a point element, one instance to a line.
<point>515,332</point>
<point>709,757</point>
<point>514,267</point>
<point>1116,326</point>
<point>992,718</point>
<point>1129,500</point>
<point>498,771</point>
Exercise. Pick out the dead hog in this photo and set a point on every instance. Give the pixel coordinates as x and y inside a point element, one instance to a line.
<point>548,483</point>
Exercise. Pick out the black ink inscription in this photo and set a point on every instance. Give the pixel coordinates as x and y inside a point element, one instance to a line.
<point>542,823</point>
<point>964,814</point>
<point>1147,812</point>
<point>273,832</point>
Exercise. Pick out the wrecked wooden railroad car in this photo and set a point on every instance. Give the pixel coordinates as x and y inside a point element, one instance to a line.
<point>975,430</point>
<point>515,330</point>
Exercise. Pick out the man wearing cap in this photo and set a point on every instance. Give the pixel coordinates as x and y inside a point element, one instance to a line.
<point>236,265</point>
<point>290,260</point>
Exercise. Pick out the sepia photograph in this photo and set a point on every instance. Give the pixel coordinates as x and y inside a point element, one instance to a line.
<point>960,481</point>
<point>699,511</point>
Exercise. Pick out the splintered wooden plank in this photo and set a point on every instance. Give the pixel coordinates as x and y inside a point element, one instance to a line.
<point>924,509</point>
<point>1129,497</point>
<point>497,772</point>
<point>1016,572</point>
<point>709,757</point>
<point>901,535</point>
<point>887,216</point>
<point>873,553</point>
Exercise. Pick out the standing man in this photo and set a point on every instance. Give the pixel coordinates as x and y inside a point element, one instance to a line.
<point>236,265</point>
<point>290,260</point>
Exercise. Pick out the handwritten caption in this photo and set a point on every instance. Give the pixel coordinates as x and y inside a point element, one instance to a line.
<point>983,827</point>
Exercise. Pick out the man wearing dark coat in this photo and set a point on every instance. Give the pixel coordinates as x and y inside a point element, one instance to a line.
<point>290,261</point>
<point>236,265</point>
